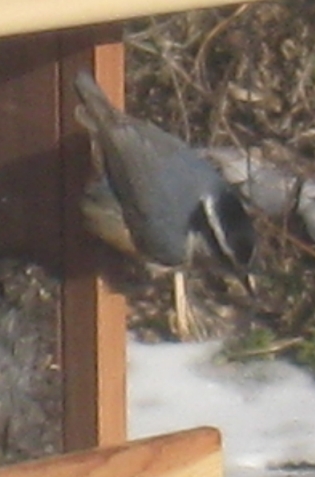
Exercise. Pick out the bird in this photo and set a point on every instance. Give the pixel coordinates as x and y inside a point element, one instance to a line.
<point>170,202</point>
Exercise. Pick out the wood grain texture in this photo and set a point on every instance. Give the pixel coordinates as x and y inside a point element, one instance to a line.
<point>190,453</point>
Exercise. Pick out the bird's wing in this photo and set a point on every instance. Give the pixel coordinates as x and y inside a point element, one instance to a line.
<point>135,151</point>
<point>104,217</point>
<point>142,175</point>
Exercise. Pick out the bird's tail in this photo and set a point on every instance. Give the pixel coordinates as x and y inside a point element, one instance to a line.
<point>96,106</point>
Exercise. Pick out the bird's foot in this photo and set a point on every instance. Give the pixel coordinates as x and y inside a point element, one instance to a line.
<point>187,325</point>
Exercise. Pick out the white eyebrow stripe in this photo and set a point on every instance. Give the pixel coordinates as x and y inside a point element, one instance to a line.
<point>209,205</point>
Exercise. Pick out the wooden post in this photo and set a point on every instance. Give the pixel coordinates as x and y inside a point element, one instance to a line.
<point>111,308</point>
<point>93,316</point>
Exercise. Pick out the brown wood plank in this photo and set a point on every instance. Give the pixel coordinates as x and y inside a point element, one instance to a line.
<point>29,161</point>
<point>78,326</point>
<point>93,317</point>
<point>196,452</point>
<point>111,311</point>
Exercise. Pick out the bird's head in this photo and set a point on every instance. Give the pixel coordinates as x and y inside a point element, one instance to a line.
<point>232,231</point>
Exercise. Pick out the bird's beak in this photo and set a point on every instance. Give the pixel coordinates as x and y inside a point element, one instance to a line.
<point>241,278</point>
<point>249,282</point>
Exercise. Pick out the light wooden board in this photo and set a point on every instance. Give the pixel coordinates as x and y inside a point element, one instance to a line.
<point>190,453</point>
<point>24,16</point>
<point>111,307</point>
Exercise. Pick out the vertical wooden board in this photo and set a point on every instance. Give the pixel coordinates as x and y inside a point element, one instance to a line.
<point>111,311</point>
<point>110,71</point>
<point>78,327</point>
<point>29,160</point>
<point>111,366</point>
<point>93,317</point>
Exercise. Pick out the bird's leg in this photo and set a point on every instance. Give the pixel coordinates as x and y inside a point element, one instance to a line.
<point>181,306</point>
<point>184,323</point>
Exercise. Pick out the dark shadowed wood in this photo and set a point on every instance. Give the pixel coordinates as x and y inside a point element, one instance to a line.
<point>78,326</point>
<point>29,161</point>
<point>44,163</point>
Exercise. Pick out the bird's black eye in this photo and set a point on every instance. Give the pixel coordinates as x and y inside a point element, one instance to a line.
<point>237,227</point>
<point>243,248</point>
<point>230,225</point>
